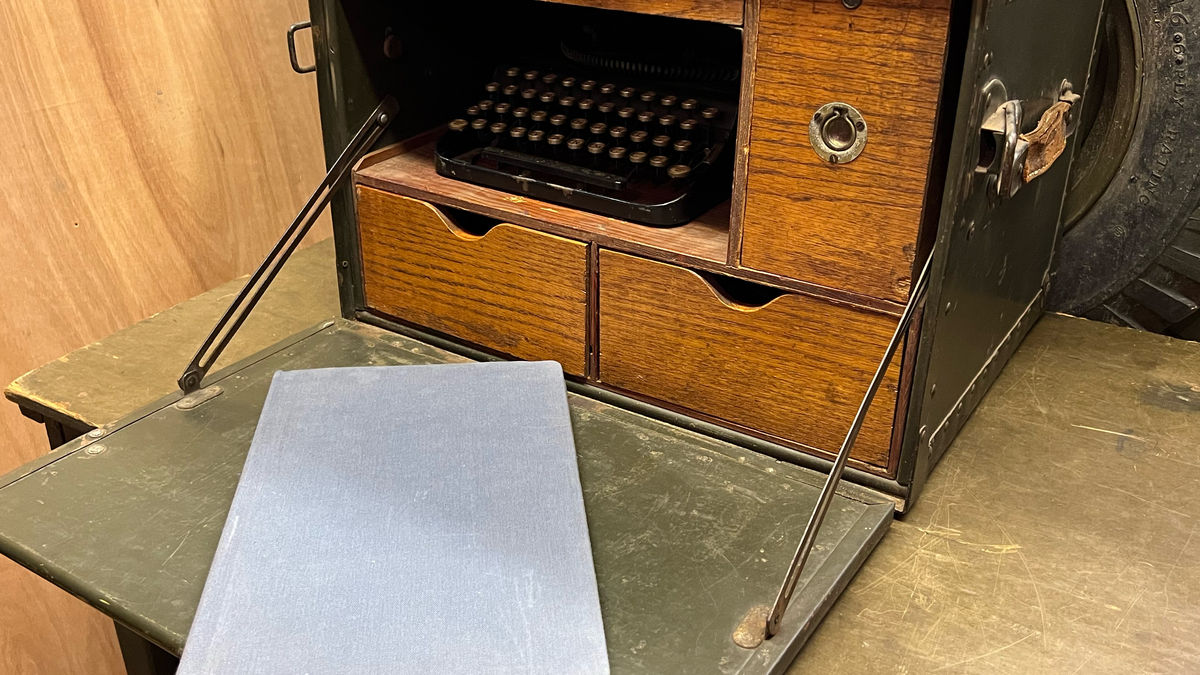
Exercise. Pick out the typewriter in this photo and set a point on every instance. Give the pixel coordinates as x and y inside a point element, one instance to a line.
<point>645,140</point>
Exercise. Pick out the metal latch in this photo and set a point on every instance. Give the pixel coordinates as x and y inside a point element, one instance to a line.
<point>1011,159</point>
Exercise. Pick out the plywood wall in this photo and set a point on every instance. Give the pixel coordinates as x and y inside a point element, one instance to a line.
<point>148,151</point>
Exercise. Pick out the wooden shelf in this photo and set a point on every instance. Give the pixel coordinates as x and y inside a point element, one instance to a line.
<point>721,11</point>
<point>407,169</point>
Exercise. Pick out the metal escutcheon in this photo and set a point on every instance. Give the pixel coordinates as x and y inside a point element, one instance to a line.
<point>838,133</point>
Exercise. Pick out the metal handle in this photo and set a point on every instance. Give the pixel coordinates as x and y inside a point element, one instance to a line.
<point>292,48</point>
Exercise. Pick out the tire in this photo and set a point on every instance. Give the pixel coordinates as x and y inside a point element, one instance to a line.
<point>1130,252</point>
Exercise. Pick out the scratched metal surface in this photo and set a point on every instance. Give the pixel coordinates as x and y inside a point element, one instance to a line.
<point>688,533</point>
<point>1056,536</point>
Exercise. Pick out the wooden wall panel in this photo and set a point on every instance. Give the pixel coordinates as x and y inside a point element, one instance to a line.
<point>722,11</point>
<point>151,150</point>
<point>851,226</point>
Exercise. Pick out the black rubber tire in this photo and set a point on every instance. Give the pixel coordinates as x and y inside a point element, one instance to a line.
<point>1134,257</point>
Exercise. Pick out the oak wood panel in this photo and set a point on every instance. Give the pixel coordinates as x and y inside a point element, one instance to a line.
<point>406,168</point>
<point>514,290</point>
<point>741,158</point>
<point>852,226</point>
<point>794,368</point>
<point>151,151</point>
<point>722,11</point>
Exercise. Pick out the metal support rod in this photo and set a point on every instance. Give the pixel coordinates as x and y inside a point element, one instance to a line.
<point>258,283</point>
<point>839,464</point>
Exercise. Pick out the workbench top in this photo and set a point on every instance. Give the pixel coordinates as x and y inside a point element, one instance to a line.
<point>1055,536</point>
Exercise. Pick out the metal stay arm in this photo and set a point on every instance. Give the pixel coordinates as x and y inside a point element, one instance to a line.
<point>258,283</point>
<point>839,464</point>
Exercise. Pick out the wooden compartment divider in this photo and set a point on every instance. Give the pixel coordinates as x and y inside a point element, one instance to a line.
<point>721,11</point>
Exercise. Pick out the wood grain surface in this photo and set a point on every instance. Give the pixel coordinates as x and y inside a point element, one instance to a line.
<point>852,226</point>
<point>151,151</point>
<point>513,290</point>
<point>406,168</point>
<point>723,11</point>
<point>794,368</point>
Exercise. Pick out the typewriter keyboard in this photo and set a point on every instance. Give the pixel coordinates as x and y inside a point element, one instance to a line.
<point>650,155</point>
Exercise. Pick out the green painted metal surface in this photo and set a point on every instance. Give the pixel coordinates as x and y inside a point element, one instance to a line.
<point>688,532</point>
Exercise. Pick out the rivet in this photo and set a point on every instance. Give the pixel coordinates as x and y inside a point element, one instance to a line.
<point>95,449</point>
<point>95,433</point>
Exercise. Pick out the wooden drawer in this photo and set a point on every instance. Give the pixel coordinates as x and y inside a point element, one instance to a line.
<point>512,290</point>
<point>851,226</point>
<point>794,368</point>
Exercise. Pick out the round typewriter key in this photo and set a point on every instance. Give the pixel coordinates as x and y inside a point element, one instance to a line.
<point>519,113</point>
<point>689,104</point>
<point>608,88</point>
<point>479,124</point>
<point>626,113</point>
<point>710,113</point>
<point>511,90</point>
<point>536,135</point>
<point>555,139</point>
<point>566,101</point>
<point>596,148</point>
<point>568,82</point>
<point>628,92</point>
<point>645,117</point>
<point>661,141</point>
<point>679,171</point>
<point>458,125</point>
<point>588,85</point>
<point>648,96</point>
<point>549,78</point>
<point>473,111</point>
<point>606,107</point>
<point>502,108</point>
<point>688,124</point>
<point>531,75</point>
<point>579,124</point>
<point>575,143</point>
<point>666,121</point>
<point>558,120</point>
<point>485,105</point>
<point>668,101</point>
<point>529,94</point>
<point>517,132</point>
<point>659,161</point>
<point>512,72</point>
<point>682,145</point>
<point>492,87</point>
<point>618,132</point>
<point>617,152</point>
<point>538,116</point>
<point>546,97</point>
<point>586,104</point>
<point>598,128</point>
<point>638,137</point>
<point>638,157</point>
<point>497,128</point>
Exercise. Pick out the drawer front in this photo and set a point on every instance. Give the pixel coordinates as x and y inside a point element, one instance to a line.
<point>851,226</point>
<point>513,290</point>
<point>794,368</point>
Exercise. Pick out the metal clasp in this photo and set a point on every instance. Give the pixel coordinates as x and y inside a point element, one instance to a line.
<point>1011,159</point>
